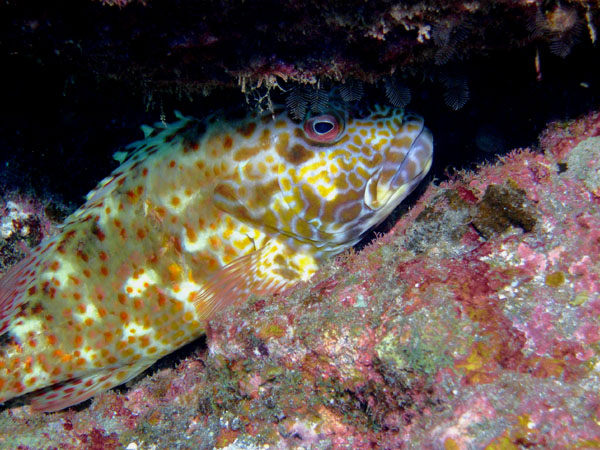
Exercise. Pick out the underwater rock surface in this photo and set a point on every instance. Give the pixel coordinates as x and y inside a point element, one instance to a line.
<point>189,47</point>
<point>473,323</point>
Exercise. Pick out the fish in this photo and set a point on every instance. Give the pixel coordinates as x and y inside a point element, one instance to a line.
<point>201,214</point>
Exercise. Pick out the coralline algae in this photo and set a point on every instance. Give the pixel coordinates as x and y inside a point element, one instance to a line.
<point>436,335</point>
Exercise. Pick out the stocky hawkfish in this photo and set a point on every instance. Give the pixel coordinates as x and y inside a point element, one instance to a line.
<point>200,215</point>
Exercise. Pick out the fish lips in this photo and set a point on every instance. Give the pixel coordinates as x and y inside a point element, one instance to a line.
<point>404,168</point>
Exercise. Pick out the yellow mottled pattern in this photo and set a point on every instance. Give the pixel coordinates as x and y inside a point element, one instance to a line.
<point>199,216</point>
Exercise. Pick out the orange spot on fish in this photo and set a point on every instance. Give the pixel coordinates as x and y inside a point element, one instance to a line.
<point>174,271</point>
<point>190,233</point>
<point>104,271</point>
<point>108,337</point>
<point>141,233</point>
<point>247,130</point>
<point>99,233</point>
<point>175,201</point>
<point>144,341</point>
<point>124,316</point>
<point>172,164</point>
<point>55,265</point>
<point>215,242</point>
<point>212,264</point>
<point>177,245</point>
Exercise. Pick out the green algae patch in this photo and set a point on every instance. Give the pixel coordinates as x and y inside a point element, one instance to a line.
<point>417,356</point>
<point>579,299</point>
<point>419,345</point>
<point>271,331</point>
<point>502,207</point>
<point>555,279</point>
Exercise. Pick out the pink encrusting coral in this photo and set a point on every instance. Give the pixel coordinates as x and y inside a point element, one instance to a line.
<point>25,219</point>
<point>474,323</point>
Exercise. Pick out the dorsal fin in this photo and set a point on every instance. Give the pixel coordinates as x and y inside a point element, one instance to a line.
<point>147,130</point>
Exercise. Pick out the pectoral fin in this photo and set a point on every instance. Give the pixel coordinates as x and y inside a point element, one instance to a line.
<point>264,271</point>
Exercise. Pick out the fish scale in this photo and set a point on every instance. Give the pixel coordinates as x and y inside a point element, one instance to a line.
<point>201,214</point>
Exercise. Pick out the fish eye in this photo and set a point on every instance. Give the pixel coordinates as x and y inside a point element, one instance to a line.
<point>323,128</point>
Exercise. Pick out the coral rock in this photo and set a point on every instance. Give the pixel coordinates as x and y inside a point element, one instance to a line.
<point>472,323</point>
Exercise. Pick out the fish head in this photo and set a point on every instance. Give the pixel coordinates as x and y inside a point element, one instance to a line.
<point>334,175</point>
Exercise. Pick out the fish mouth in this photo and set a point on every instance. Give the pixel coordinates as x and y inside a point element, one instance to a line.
<point>407,160</point>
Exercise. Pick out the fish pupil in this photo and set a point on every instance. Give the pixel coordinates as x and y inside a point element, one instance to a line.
<point>323,127</point>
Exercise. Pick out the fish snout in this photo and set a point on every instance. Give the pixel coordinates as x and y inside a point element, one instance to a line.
<point>417,162</point>
<point>407,160</point>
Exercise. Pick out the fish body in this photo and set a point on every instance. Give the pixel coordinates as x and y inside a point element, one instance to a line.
<point>201,214</point>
